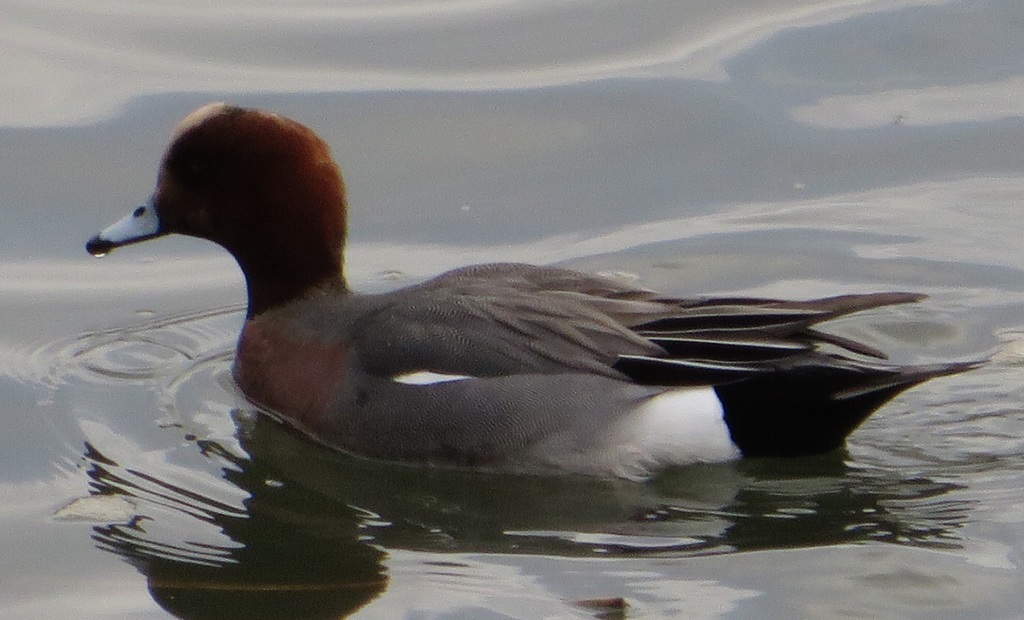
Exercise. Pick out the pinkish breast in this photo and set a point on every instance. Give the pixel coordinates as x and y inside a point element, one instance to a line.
<point>293,377</point>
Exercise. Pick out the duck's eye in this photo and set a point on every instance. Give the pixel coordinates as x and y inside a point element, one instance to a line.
<point>197,170</point>
<point>192,169</point>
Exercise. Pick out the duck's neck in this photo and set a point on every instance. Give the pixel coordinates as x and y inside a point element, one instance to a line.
<point>293,241</point>
<point>272,283</point>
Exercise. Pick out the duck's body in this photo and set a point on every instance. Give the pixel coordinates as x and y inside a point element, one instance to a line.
<point>505,366</point>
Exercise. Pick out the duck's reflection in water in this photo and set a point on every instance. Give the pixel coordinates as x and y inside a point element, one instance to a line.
<point>310,538</point>
<point>285,554</point>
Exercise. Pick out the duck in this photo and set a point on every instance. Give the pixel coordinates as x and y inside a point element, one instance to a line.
<point>507,367</point>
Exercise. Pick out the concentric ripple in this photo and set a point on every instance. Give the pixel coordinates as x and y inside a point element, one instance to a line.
<point>169,372</point>
<point>157,349</point>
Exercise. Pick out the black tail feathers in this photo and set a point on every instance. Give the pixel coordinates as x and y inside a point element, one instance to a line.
<point>812,409</point>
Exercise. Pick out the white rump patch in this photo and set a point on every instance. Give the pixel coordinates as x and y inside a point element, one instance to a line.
<point>678,427</point>
<point>426,377</point>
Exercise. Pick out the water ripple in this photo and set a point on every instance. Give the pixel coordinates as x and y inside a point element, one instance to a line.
<point>119,378</point>
<point>161,348</point>
<point>57,54</point>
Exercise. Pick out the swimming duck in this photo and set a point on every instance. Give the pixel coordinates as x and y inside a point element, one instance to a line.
<point>510,367</point>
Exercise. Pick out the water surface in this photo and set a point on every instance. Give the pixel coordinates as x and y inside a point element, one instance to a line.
<point>775,148</point>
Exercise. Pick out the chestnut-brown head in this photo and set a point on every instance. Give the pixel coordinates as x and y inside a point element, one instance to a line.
<point>262,186</point>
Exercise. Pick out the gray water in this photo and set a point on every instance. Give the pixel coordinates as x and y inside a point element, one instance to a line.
<point>770,148</point>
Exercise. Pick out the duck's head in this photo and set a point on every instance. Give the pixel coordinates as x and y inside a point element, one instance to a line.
<point>262,186</point>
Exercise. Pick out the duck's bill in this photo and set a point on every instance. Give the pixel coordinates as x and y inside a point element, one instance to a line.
<point>139,225</point>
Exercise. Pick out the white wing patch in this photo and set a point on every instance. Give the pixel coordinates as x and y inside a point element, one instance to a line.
<point>426,377</point>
